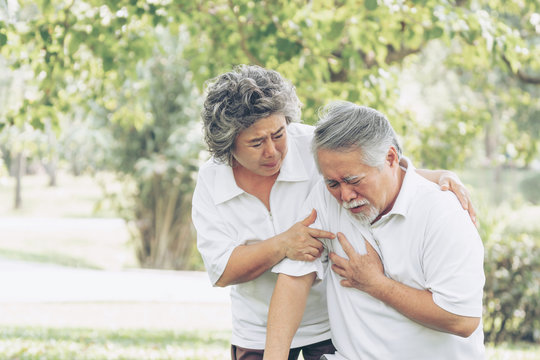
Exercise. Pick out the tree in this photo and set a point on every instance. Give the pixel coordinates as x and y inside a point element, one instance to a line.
<point>356,50</point>
<point>159,154</point>
<point>84,56</point>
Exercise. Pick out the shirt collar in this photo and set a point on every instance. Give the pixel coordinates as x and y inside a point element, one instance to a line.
<point>406,192</point>
<point>292,169</point>
<point>225,187</point>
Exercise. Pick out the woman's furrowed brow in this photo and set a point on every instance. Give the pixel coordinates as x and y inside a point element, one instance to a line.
<point>261,138</point>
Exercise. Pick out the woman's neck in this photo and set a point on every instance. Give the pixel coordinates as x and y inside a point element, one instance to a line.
<point>257,185</point>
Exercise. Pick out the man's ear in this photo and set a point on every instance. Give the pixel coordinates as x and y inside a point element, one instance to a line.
<point>392,158</point>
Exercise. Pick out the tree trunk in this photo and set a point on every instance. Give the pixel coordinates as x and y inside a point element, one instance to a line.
<point>19,172</point>
<point>50,168</point>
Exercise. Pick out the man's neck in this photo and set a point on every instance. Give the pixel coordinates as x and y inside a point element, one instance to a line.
<point>396,183</point>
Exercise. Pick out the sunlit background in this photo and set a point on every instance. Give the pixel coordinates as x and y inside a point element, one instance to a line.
<point>100,144</point>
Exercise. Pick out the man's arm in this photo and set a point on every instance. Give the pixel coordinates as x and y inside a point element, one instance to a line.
<point>418,305</point>
<point>365,273</point>
<point>247,262</point>
<point>286,310</point>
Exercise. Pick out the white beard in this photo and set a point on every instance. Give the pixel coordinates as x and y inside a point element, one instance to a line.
<point>364,217</point>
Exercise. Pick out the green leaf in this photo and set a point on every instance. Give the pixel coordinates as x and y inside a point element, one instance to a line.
<point>108,62</point>
<point>45,35</point>
<point>287,49</point>
<point>436,32</point>
<point>371,4</point>
<point>336,29</point>
<point>36,123</point>
<point>74,43</point>
<point>270,29</point>
<point>3,39</point>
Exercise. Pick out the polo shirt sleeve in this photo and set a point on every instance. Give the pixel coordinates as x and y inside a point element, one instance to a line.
<point>290,267</point>
<point>214,242</point>
<point>453,260</point>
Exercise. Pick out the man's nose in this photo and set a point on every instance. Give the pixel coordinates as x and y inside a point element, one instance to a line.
<point>348,193</point>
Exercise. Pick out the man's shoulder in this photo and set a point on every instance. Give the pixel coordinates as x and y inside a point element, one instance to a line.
<point>298,130</point>
<point>437,207</point>
<point>430,195</point>
<point>322,196</point>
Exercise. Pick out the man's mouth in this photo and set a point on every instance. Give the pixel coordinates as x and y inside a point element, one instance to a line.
<point>357,209</point>
<point>356,206</point>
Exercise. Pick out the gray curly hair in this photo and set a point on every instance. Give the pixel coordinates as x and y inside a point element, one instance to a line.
<point>237,99</point>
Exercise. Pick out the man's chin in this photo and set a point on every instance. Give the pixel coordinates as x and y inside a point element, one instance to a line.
<point>363,218</point>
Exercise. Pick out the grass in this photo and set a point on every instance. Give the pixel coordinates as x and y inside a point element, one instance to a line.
<point>23,343</point>
<point>85,243</point>
<point>73,197</point>
<point>521,351</point>
<point>58,225</point>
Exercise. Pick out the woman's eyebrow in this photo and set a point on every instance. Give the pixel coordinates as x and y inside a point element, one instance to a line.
<point>261,138</point>
<point>278,130</point>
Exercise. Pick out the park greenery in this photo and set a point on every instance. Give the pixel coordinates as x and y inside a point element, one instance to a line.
<point>101,344</point>
<point>116,86</point>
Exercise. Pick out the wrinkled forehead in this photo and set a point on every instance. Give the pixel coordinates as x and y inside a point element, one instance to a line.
<point>341,165</point>
<point>264,127</point>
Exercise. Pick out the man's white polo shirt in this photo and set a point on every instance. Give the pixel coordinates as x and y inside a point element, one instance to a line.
<point>225,217</point>
<point>427,241</point>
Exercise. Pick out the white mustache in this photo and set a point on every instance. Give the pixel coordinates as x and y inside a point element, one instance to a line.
<point>354,203</point>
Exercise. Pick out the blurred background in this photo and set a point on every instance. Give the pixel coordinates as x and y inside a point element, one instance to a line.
<point>100,143</point>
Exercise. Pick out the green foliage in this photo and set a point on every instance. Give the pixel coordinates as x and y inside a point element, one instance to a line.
<point>94,344</point>
<point>159,152</point>
<point>26,343</point>
<point>512,267</point>
<point>82,52</point>
<point>87,57</point>
<point>531,188</point>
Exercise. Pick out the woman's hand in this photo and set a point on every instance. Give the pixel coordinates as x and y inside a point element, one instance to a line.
<point>300,241</point>
<point>450,181</point>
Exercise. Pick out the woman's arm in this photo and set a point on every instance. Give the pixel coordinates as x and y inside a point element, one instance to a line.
<point>247,262</point>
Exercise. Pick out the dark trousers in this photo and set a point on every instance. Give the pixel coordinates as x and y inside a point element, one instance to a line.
<point>309,352</point>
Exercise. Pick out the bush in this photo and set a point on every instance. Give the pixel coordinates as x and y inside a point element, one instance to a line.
<point>512,268</point>
<point>530,187</point>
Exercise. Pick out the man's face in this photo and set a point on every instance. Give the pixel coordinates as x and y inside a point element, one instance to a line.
<point>361,189</point>
<point>261,148</point>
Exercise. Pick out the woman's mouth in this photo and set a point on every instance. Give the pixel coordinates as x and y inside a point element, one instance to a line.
<point>271,165</point>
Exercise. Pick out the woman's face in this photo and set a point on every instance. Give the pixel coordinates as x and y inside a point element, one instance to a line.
<point>261,148</point>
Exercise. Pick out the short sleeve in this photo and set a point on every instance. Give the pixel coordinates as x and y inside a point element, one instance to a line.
<point>316,201</point>
<point>214,240</point>
<point>300,268</point>
<point>453,261</point>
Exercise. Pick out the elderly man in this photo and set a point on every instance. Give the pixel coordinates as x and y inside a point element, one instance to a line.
<point>407,264</point>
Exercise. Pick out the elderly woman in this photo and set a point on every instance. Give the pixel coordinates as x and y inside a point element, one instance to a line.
<point>247,200</point>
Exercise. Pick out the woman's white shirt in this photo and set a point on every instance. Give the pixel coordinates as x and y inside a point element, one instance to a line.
<point>225,216</point>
